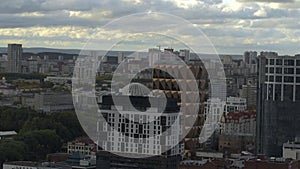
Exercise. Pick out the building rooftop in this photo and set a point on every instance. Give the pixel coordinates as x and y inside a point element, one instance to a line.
<point>239,115</point>
<point>8,133</point>
<point>23,163</point>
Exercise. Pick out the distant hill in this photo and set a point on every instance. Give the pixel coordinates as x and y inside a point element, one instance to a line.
<point>41,51</point>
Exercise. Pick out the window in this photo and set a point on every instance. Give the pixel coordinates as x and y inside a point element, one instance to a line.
<point>278,61</point>
<point>279,70</point>
<point>289,62</point>
<point>298,93</point>
<point>298,63</point>
<point>278,92</point>
<point>289,79</point>
<point>271,61</point>
<point>288,92</point>
<point>278,78</point>
<point>270,92</point>
<point>288,70</point>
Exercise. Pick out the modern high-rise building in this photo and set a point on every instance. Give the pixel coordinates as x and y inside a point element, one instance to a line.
<point>250,57</point>
<point>278,102</point>
<point>131,134</point>
<point>14,52</point>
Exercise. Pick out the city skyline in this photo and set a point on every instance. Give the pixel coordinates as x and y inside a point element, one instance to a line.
<point>232,26</point>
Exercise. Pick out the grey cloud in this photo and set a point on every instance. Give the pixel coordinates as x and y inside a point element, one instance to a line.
<point>222,24</point>
<point>57,19</point>
<point>204,13</point>
<point>22,6</point>
<point>277,1</point>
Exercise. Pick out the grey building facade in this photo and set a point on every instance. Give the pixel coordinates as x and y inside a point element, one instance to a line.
<point>278,102</point>
<point>14,52</point>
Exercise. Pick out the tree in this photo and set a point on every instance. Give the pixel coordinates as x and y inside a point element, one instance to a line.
<point>14,119</point>
<point>13,151</point>
<point>70,121</point>
<point>41,142</point>
<point>47,122</point>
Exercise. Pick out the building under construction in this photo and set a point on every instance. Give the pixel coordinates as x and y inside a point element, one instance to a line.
<point>164,82</point>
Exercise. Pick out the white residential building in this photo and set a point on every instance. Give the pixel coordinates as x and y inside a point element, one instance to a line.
<point>129,131</point>
<point>214,110</point>
<point>235,104</point>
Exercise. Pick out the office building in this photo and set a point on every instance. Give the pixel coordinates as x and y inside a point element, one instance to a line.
<point>250,57</point>
<point>14,52</point>
<point>278,102</point>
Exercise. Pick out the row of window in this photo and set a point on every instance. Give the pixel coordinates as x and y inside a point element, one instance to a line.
<point>131,118</point>
<point>280,70</point>
<point>285,62</point>
<point>274,92</point>
<point>286,79</point>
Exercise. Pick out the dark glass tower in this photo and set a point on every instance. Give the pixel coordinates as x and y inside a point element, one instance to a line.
<point>278,102</point>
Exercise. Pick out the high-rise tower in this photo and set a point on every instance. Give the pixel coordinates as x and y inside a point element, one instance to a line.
<point>14,52</point>
<point>278,102</point>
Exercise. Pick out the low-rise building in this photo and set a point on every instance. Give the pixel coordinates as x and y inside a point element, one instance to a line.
<point>273,163</point>
<point>236,143</point>
<point>50,102</point>
<point>80,161</point>
<point>204,164</point>
<point>20,165</point>
<point>292,149</point>
<point>7,135</point>
<point>235,103</point>
<point>84,146</point>
<point>239,122</point>
<point>58,79</point>
<point>34,165</point>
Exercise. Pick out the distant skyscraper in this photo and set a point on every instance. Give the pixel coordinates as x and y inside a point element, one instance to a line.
<point>250,57</point>
<point>154,56</point>
<point>121,57</point>
<point>278,102</point>
<point>14,52</point>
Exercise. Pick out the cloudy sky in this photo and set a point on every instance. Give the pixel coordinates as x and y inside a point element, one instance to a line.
<point>232,26</point>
